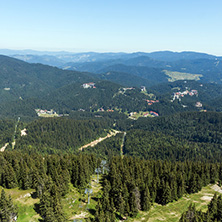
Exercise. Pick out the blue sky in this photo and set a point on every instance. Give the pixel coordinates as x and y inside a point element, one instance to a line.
<point>111,25</point>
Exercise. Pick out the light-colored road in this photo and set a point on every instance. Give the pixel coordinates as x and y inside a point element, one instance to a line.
<point>95,142</point>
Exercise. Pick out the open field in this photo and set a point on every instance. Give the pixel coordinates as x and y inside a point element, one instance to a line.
<point>174,76</point>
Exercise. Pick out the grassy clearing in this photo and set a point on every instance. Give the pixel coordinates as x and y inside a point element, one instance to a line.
<point>172,211</point>
<point>135,116</point>
<point>75,204</point>
<point>174,76</point>
<point>25,203</point>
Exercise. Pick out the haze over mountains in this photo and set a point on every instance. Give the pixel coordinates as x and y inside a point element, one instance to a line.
<point>28,86</point>
<point>144,65</point>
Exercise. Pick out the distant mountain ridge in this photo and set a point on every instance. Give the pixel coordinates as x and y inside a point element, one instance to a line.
<point>66,57</point>
<point>209,66</point>
<point>25,87</point>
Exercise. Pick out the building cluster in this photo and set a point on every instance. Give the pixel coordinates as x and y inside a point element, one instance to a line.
<point>150,102</point>
<point>146,114</point>
<point>102,110</point>
<point>178,95</point>
<point>89,85</point>
<point>43,112</point>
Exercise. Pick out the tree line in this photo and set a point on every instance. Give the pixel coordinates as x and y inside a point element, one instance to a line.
<point>133,184</point>
<point>49,175</point>
<point>213,213</point>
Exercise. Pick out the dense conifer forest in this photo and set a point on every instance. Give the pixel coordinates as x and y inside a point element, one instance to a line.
<point>59,135</point>
<point>49,176</point>
<point>138,161</point>
<point>132,184</point>
<point>7,128</point>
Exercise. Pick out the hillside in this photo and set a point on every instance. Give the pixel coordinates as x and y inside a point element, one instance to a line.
<point>60,135</point>
<point>145,64</point>
<point>104,94</point>
<point>125,79</point>
<point>153,75</point>
<point>20,80</point>
<point>184,136</point>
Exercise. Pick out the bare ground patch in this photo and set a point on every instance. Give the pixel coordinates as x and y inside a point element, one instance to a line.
<point>216,188</point>
<point>79,216</point>
<point>208,198</point>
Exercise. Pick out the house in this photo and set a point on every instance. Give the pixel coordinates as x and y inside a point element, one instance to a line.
<point>89,85</point>
<point>154,113</point>
<point>143,88</point>
<point>131,114</point>
<point>145,114</point>
<point>198,104</point>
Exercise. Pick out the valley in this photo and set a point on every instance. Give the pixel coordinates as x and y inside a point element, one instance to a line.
<point>112,137</point>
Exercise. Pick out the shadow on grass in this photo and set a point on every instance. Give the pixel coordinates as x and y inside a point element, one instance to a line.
<point>37,210</point>
<point>95,198</point>
<point>34,195</point>
<point>92,211</point>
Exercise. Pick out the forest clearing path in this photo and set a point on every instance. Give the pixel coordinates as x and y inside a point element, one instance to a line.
<point>4,147</point>
<point>122,145</point>
<point>95,142</point>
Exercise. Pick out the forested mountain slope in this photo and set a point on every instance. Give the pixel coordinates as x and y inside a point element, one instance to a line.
<point>104,94</point>
<point>60,135</point>
<point>19,80</point>
<point>7,128</point>
<point>184,136</point>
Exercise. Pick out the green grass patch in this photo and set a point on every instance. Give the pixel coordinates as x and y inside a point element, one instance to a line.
<point>135,116</point>
<point>75,204</point>
<point>25,203</point>
<point>172,211</point>
<point>174,76</point>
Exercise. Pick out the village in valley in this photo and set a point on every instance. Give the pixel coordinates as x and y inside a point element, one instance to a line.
<point>48,113</point>
<point>178,95</point>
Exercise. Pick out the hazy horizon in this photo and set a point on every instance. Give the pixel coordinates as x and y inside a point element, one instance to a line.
<point>116,26</point>
<point>28,51</point>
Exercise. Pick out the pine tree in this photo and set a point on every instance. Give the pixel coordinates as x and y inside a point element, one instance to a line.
<point>166,197</point>
<point>4,214</point>
<point>146,200</point>
<point>133,205</point>
<point>212,207</point>
<point>219,208</point>
<point>8,210</point>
